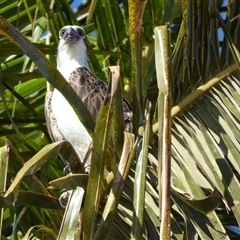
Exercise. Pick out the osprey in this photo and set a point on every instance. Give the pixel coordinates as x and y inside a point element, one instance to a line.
<point>62,122</point>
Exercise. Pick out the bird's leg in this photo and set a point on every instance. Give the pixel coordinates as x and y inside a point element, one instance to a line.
<point>66,169</point>
<point>63,197</point>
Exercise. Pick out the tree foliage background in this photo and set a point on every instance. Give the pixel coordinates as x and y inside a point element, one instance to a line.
<point>204,75</point>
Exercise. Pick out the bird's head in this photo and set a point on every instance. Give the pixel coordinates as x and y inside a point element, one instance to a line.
<point>71,34</point>
<point>72,48</point>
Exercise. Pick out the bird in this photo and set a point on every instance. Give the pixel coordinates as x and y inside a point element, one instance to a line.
<point>61,120</point>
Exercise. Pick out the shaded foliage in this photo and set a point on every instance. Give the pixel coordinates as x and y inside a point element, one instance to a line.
<point>205,122</point>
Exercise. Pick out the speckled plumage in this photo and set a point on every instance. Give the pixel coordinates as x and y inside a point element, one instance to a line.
<point>61,120</point>
<point>92,92</point>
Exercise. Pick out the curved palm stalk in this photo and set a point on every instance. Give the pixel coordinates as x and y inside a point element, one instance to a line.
<point>128,154</point>
<point>140,179</point>
<point>34,164</point>
<point>194,96</point>
<point>164,77</point>
<point>101,139</point>
<point>69,225</point>
<point>91,11</point>
<point>136,11</point>
<point>3,175</point>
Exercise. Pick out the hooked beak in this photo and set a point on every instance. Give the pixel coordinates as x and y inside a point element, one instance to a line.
<point>71,35</point>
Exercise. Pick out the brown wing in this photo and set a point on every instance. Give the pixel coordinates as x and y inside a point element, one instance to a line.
<point>51,121</point>
<point>92,91</point>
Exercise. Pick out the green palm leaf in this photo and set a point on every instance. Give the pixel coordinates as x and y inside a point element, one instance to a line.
<point>204,131</point>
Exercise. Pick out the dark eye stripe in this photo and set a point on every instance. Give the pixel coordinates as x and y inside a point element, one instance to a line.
<point>80,32</point>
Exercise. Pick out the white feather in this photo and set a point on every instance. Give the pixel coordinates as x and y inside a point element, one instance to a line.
<point>70,57</point>
<point>69,125</point>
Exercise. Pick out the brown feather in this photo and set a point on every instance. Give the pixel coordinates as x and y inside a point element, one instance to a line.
<point>92,92</point>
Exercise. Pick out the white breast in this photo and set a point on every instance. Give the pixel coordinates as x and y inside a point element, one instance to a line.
<point>70,57</point>
<point>69,125</point>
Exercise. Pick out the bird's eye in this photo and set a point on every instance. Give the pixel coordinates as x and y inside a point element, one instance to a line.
<point>62,31</point>
<point>80,32</point>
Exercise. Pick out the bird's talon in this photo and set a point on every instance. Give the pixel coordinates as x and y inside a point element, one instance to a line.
<point>66,170</point>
